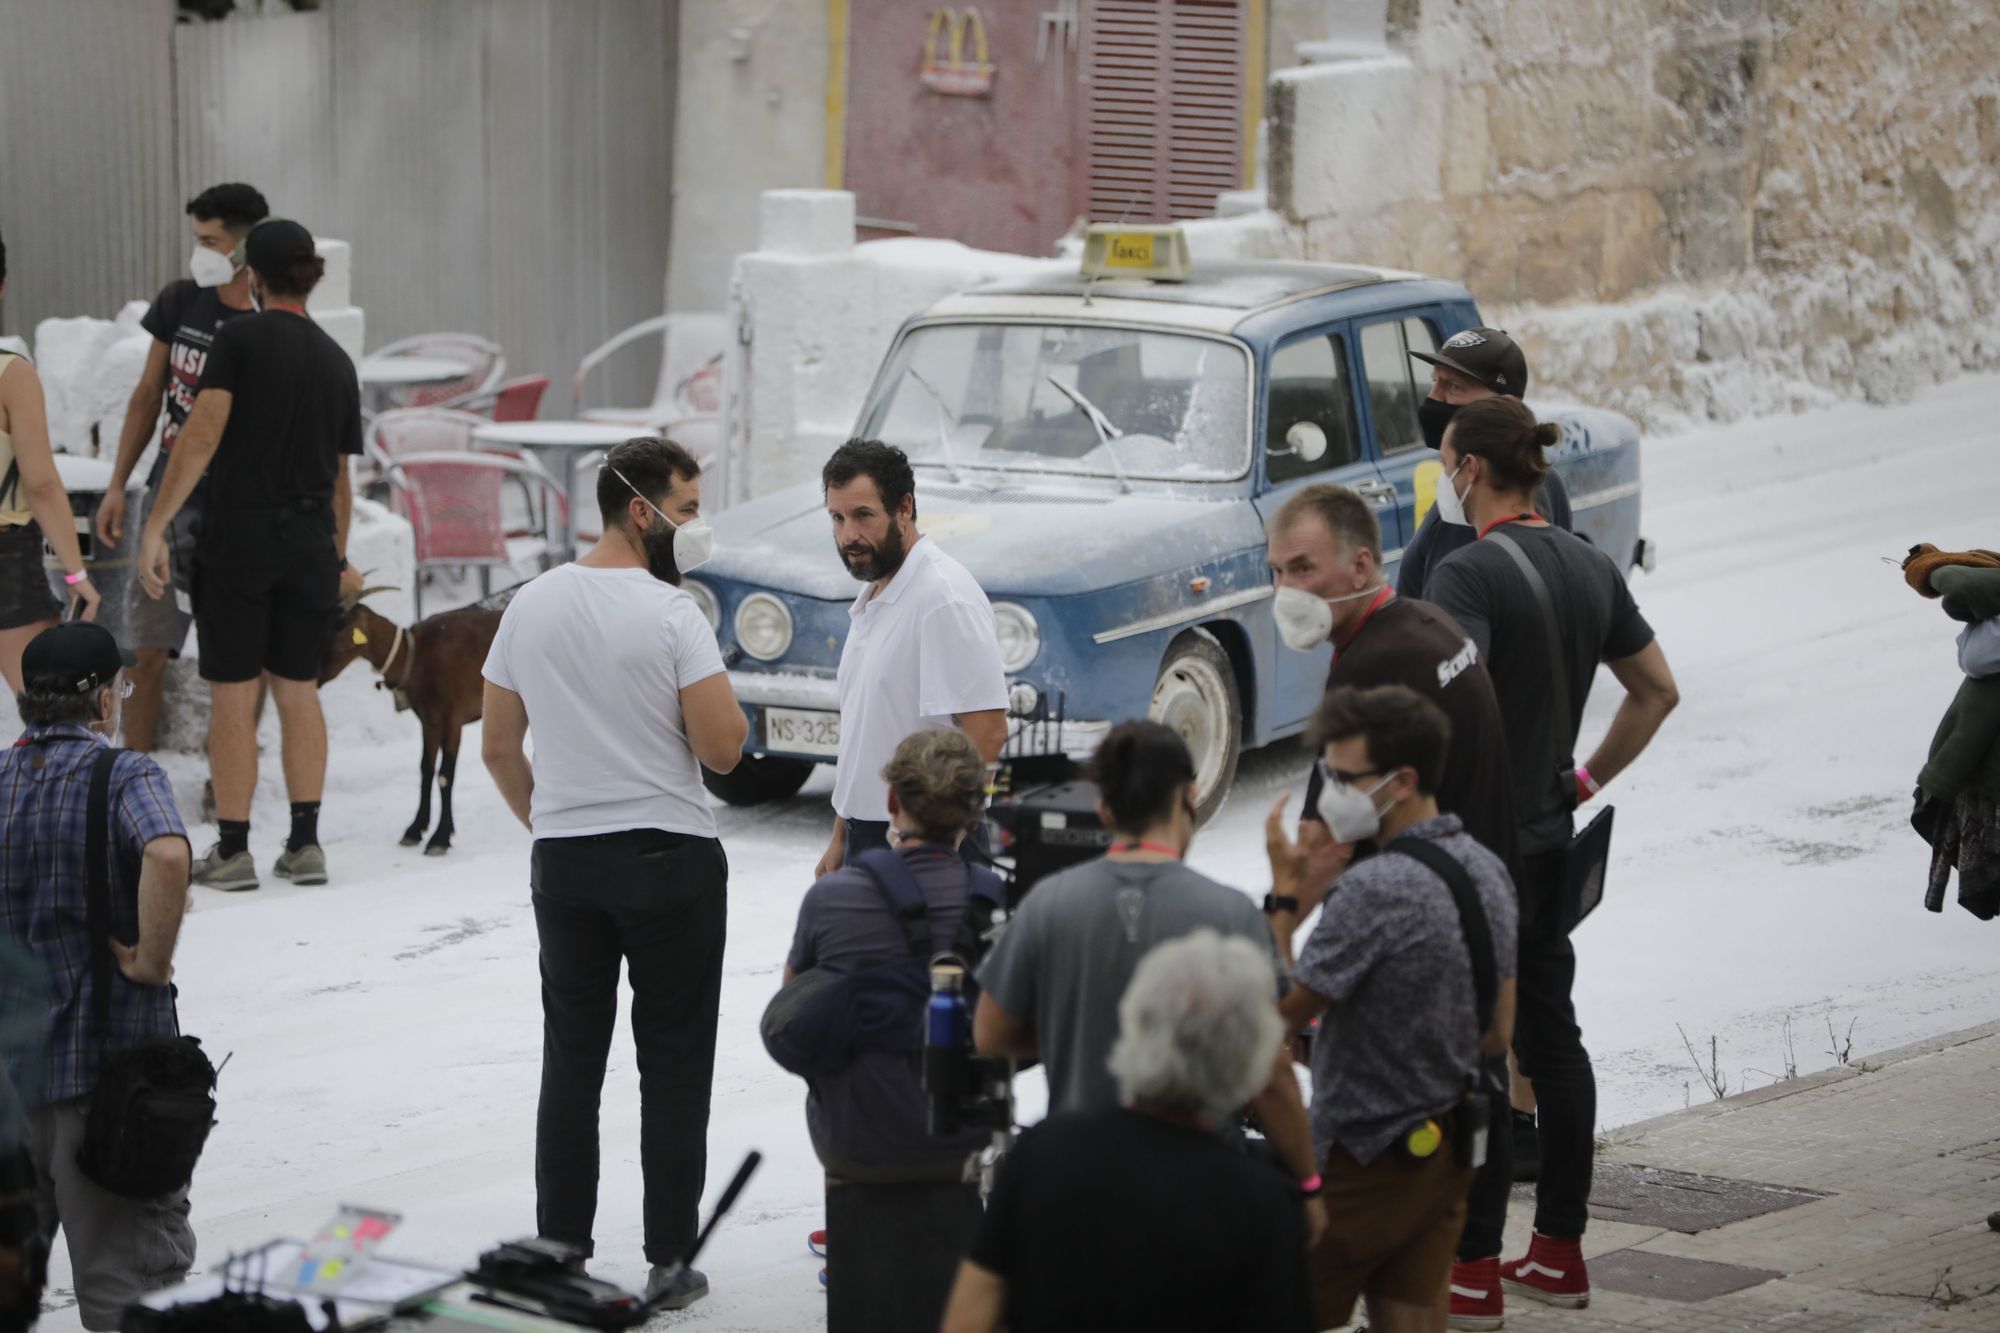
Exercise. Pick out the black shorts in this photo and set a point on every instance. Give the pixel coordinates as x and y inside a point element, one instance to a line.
<point>25,596</point>
<point>266,592</point>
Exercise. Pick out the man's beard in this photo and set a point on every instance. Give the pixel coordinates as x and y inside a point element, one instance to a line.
<point>881,561</point>
<point>658,541</point>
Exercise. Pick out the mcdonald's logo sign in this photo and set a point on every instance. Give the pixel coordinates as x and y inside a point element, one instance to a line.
<point>953,70</point>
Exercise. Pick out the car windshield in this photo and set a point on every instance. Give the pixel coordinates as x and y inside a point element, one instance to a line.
<point>1075,400</point>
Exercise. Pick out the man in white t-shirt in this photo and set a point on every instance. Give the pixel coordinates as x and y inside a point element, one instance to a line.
<point>618,673</point>
<point>920,651</point>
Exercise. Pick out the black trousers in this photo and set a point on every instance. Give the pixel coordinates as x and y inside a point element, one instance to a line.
<point>657,902</point>
<point>1549,1046</point>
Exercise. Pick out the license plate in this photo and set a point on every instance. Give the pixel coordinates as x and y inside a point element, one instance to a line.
<point>800,732</point>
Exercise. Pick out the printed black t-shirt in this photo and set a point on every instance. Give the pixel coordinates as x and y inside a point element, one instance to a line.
<point>295,409</point>
<point>185,316</point>
<point>1408,642</point>
<point>1597,620</point>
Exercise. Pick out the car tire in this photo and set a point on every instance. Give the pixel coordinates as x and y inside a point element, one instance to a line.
<point>757,779</point>
<point>1195,696</point>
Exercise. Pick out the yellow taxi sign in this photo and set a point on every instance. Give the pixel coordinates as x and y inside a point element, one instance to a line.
<point>1136,251</point>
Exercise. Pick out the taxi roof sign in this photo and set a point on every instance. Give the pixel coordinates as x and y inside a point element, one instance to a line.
<point>1136,251</point>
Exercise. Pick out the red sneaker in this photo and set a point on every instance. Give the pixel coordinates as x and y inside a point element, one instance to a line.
<point>816,1242</point>
<point>1476,1303</point>
<point>1553,1273</point>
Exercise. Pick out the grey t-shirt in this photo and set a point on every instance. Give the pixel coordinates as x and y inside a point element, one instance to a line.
<point>1064,960</point>
<point>869,1121</point>
<point>1400,1039</point>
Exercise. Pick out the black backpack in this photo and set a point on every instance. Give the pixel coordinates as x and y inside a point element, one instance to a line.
<point>820,1021</point>
<point>154,1102</point>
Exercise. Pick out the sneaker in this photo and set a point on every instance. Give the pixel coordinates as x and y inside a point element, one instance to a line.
<point>816,1242</point>
<point>680,1287</point>
<point>1477,1304</point>
<point>230,874</point>
<point>1527,1146</point>
<point>1553,1273</point>
<point>307,865</point>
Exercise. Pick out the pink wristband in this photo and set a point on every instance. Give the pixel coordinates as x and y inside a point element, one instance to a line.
<point>73,579</point>
<point>1311,1186</point>
<point>1586,782</point>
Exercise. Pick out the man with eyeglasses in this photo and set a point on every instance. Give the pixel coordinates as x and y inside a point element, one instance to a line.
<point>74,682</point>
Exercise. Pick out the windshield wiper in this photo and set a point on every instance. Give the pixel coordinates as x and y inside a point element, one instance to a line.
<point>1106,432</point>
<point>944,430</point>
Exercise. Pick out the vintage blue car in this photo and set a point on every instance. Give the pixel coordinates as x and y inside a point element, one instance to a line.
<point>1102,452</point>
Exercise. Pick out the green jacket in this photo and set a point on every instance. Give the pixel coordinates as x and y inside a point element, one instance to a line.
<point>1965,752</point>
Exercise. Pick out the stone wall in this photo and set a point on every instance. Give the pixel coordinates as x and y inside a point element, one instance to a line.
<point>1686,208</point>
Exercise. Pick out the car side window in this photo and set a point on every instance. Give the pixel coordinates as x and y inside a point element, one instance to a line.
<point>1309,387</point>
<point>1393,391</point>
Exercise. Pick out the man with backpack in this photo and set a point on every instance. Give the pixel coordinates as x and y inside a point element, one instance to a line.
<point>866,935</point>
<point>109,963</point>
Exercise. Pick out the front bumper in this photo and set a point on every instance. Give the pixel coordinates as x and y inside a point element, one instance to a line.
<point>757,690</point>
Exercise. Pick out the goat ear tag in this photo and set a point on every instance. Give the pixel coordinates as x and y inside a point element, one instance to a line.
<point>359,637</point>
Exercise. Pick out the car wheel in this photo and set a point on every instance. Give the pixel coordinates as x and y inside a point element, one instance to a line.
<point>1195,695</point>
<point>757,779</point>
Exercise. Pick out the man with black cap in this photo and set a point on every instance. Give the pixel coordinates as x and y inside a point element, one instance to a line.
<point>278,411</point>
<point>1473,364</point>
<point>74,681</point>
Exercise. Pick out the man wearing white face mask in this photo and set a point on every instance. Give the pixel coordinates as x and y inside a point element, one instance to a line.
<point>619,674</point>
<point>183,320</point>
<point>1325,554</point>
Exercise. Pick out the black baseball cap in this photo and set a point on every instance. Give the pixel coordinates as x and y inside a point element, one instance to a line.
<point>73,658</point>
<point>275,244</point>
<point>1487,355</point>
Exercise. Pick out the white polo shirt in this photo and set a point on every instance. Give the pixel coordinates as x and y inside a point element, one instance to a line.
<point>599,658</point>
<point>918,653</point>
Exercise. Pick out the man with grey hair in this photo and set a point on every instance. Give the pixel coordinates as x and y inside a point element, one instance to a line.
<point>1092,1207</point>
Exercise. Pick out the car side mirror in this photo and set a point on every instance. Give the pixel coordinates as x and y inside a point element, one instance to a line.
<point>1306,440</point>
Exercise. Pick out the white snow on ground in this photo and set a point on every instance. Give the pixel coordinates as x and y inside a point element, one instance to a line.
<point>386,1032</point>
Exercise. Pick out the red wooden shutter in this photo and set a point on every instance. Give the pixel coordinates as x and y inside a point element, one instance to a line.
<point>1166,107</point>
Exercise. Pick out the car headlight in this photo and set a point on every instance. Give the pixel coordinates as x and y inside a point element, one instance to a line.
<point>711,610</point>
<point>763,626</point>
<point>1020,637</point>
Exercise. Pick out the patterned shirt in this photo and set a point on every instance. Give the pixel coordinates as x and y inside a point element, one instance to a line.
<point>1400,1039</point>
<point>44,795</point>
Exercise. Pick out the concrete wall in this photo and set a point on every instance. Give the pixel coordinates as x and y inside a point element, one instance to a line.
<point>1768,203</point>
<point>752,116</point>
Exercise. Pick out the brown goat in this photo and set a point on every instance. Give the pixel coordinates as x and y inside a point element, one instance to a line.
<point>433,669</point>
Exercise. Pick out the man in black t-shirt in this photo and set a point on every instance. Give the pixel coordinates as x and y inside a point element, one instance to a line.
<point>1141,1217</point>
<point>1325,553</point>
<point>1474,363</point>
<point>183,320</point>
<point>1493,459</point>
<point>278,413</point>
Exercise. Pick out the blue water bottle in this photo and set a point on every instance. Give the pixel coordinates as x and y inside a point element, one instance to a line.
<point>945,1031</point>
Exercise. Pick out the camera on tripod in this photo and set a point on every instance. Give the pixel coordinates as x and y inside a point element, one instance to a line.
<point>1046,814</point>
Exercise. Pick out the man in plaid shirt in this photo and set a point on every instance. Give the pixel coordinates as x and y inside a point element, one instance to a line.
<point>74,682</point>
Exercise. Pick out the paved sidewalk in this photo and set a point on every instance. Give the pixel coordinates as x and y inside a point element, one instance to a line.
<point>1905,1150</point>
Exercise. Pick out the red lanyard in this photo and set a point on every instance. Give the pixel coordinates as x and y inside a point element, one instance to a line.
<point>1381,599</point>
<point>1511,518</point>
<point>1159,847</point>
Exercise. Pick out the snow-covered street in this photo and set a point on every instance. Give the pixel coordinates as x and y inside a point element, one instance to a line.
<point>385,1029</point>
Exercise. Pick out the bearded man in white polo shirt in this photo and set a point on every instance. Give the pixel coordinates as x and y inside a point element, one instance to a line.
<point>920,650</point>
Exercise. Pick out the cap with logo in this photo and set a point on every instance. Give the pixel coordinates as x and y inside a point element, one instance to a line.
<point>1486,355</point>
<point>275,244</point>
<point>73,658</point>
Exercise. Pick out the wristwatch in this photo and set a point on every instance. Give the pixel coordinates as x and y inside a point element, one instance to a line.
<point>1280,903</point>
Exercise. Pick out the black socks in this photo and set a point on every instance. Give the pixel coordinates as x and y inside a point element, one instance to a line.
<point>235,837</point>
<point>305,825</point>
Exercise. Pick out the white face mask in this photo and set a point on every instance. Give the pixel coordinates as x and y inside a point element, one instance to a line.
<point>1305,621</point>
<point>694,540</point>
<point>1349,813</point>
<point>210,268</point>
<point>1450,504</point>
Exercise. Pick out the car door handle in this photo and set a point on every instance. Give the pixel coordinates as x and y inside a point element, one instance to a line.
<point>1377,494</point>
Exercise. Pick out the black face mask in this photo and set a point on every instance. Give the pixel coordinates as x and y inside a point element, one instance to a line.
<point>1433,415</point>
<point>659,543</point>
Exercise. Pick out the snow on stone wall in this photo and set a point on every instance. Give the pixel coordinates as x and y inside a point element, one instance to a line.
<point>1768,202</point>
